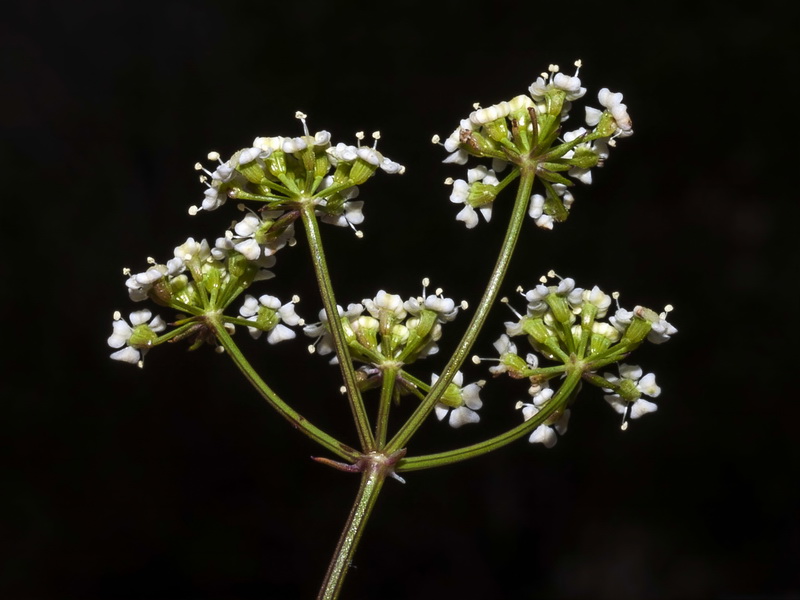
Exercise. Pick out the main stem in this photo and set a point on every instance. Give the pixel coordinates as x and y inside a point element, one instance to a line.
<point>372,478</point>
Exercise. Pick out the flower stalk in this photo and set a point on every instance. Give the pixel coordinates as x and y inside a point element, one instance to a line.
<point>405,433</point>
<point>357,408</point>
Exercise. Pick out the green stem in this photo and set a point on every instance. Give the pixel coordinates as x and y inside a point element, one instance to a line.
<point>429,461</point>
<point>479,318</point>
<point>296,419</point>
<point>385,403</point>
<point>335,323</point>
<point>372,478</point>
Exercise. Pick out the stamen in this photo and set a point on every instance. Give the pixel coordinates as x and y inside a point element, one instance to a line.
<point>200,167</point>
<point>625,415</point>
<point>436,139</point>
<point>302,116</point>
<point>504,300</point>
<point>425,283</point>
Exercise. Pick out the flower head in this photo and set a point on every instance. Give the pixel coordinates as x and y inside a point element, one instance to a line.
<point>283,173</point>
<point>268,314</point>
<point>136,338</point>
<point>624,393</point>
<point>526,130</point>
<point>459,404</point>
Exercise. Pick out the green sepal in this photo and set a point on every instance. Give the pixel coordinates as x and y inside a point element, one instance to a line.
<point>497,129</point>
<point>253,172</point>
<point>452,396</point>
<point>142,336</point>
<point>517,367</point>
<point>361,171</point>
<point>481,194</point>
<point>418,336</point>
<point>638,329</point>
<point>561,308</point>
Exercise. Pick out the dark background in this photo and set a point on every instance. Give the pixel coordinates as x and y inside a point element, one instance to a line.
<point>177,482</point>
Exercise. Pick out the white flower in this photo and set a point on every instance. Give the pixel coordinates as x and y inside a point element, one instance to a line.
<point>461,406</point>
<point>557,81</point>
<point>452,144</point>
<point>463,189</point>
<point>346,214</point>
<point>621,319</point>
<point>545,434</point>
<point>342,153</point>
<point>251,235</point>
<point>323,343</point>
<point>598,298</point>
<point>661,330</point>
<point>613,104</point>
<point>140,284</point>
<point>631,379</point>
<point>270,314</point>
<point>504,346</point>
<point>481,116</point>
<point>385,303</point>
<point>136,337</point>
<point>536,212</point>
<point>541,394</point>
<point>446,308</point>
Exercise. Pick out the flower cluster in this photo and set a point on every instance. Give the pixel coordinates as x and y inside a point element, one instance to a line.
<point>386,329</point>
<point>200,276</point>
<point>526,132</point>
<point>283,173</point>
<point>202,279</point>
<point>578,329</point>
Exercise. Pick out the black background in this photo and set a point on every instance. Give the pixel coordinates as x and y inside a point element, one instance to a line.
<point>178,482</point>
